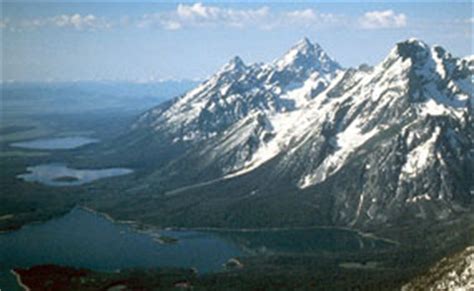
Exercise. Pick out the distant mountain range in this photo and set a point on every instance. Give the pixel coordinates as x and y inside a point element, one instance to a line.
<point>303,141</point>
<point>20,98</point>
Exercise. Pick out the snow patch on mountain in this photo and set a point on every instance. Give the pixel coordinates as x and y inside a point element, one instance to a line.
<point>415,199</point>
<point>303,107</point>
<point>291,128</point>
<point>455,272</point>
<point>301,94</point>
<point>420,157</point>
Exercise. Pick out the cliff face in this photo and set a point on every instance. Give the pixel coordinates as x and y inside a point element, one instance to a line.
<point>366,147</point>
<point>451,273</point>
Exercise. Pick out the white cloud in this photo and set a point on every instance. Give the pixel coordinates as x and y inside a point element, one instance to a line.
<point>171,25</point>
<point>80,22</point>
<point>198,10</point>
<point>75,21</point>
<point>206,15</point>
<point>158,20</point>
<point>310,17</point>
<point>382,19</point>
<point>306,15</point>
<point>200,15</point>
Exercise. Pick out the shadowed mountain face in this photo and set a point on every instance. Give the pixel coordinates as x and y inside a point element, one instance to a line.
<point>321,144</point>
<point>455,272</point>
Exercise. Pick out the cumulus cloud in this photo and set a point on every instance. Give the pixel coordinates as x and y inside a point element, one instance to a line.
<point>310,17</point>
<point>74,21</point>
<point>200,15</point>
<point>80,22</point>
<point>382,19</point>
<point>306,14</point>
<point>157,20</point>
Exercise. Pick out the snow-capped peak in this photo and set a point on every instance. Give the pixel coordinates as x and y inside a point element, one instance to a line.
<point>304,46</point>
<point>469,58</point>
<point>438,82</point>
<point>470,62</point>
<point>412,48</point>
<point>235,63</point>
<point>403,126</point>
<point>305,55</point>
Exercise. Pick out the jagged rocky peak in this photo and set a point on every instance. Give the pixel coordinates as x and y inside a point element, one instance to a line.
<point>431,75</point>
<point>236,90</point>
<point>407,53</point>
<point>422,56</point>
<point>413,48</point>
<point>235,63</point>
<point>364,68</point>
<point>304,61</point>
<point>302,48</point>
<point>306,56</point>
<point>230,72</point>
<point>470,61</point>
<point>404,125</point>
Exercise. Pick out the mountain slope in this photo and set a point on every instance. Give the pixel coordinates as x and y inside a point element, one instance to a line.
<point>356,147</point>
<point>235,108</point>
<point>455,272</point>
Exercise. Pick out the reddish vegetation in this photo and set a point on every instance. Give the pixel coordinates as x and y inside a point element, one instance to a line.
<point>50,277</point>
<point>54,278</point>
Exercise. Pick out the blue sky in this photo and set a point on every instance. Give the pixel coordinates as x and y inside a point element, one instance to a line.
<point>118,40</point>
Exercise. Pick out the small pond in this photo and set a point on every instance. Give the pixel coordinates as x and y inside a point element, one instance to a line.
<point>61,175</point>
<point>55,143</point>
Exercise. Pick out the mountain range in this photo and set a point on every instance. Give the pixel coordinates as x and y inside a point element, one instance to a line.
<point>304,141</point>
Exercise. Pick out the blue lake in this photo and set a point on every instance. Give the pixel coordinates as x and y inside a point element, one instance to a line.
<point>58,143</point>
<point>61,175</point>
<point>85,239</point>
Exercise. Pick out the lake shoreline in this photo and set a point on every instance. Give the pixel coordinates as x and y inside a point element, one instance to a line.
<point>146,228</point>
<point>58,245</point>
<point>19,281</point>
<point>54,143</point>
<point>52,174</point>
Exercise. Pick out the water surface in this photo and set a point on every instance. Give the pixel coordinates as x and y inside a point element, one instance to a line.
<point>56,143</point>
<point>85,239</point>
<point>61,175</point>
<point>304,241</point>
